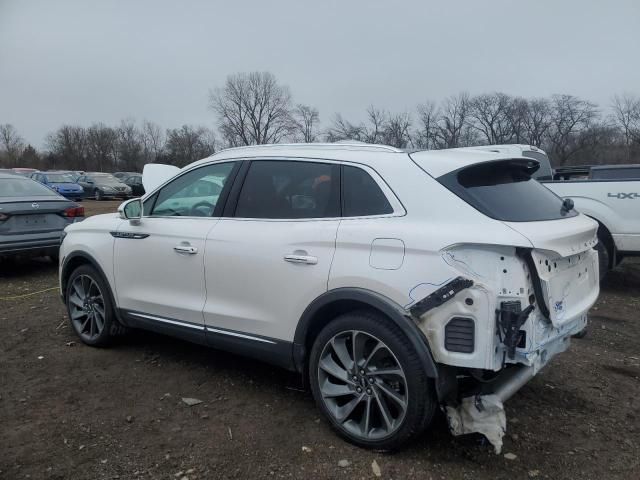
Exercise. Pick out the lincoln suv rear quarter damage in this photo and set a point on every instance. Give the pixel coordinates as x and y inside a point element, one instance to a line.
<point>395,283</point>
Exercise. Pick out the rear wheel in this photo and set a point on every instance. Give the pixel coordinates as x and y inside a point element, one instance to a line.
<point>603,258</point>
<point>369,383</point>
<point>90,307</point>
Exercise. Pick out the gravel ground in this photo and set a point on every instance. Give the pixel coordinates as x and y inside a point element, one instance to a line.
<point>70,411</point>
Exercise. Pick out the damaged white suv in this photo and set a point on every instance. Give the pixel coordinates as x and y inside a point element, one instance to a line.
<point>394,282</point>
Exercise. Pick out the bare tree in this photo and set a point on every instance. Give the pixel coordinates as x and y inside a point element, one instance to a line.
<point>68,146</point>
<point>374,131</point>
<point>188,144</point>
<point>101,145</point>
<point>252,109</point>
<point>11,145</point>
<point>570,118</point>
<point>626,116</point>
<point>129,146</point>
<point>537,121</point>
<point>453,123</point>
<point>305,121</point>
<point>427,134</point>
<point>517,112</point>
<point>490,113</point>
<point>397,130</point>
<point>342,129</point>
<point>153,141</point>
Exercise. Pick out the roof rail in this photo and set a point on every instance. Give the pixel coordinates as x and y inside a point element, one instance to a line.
<point>349,144</point>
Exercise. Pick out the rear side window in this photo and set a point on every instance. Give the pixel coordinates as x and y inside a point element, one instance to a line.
<point>290,189</point>
<point>361,195</point>
<point>505,190</point>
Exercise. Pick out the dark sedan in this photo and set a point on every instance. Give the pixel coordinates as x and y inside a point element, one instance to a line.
<point>135,182</point>
<point>103,185</point>
<point>32,217</point>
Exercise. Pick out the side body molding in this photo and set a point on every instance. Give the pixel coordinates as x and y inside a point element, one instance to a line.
<point>392,310</point>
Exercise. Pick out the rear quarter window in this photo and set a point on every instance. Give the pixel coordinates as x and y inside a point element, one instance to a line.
<point>505,190</point>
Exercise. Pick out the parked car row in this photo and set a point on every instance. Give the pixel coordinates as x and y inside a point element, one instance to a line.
<point>78,185</point>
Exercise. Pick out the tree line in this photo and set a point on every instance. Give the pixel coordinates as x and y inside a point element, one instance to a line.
<point>254,108</point>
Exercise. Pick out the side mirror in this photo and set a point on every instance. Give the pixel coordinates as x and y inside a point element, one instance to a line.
<point>131,210</point>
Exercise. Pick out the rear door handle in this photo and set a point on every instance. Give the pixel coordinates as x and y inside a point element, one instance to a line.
<point>306,259</point>
<point>186,249</point>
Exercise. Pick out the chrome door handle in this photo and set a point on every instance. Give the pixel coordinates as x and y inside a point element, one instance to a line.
<point>185,249</point>
<point>305,259</point>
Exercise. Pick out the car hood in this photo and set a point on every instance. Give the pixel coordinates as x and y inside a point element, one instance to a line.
<point>112,185</point>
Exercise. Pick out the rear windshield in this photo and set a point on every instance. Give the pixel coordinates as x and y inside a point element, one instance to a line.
<point>627,173</point>
<point>59,178</point>
<point>23,187</point>
<point>505,190</point>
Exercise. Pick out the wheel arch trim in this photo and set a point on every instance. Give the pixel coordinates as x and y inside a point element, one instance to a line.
<point>65,272</point>
<point>371,299</point>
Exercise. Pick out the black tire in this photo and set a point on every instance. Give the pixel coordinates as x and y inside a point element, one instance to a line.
<point>604,261</point>
<point>98,195</point>
<point>78,315</point>
<point>413,387</point>
<point>582,333</point>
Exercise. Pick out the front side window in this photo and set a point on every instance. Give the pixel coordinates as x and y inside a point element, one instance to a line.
<point>289,190</point>
<point>194,194</point>
<point>361,195</point>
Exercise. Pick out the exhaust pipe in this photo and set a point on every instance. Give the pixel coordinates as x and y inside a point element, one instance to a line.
<point>508,385</point>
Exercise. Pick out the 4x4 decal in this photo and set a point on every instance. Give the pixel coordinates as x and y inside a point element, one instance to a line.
<point>622,196</point>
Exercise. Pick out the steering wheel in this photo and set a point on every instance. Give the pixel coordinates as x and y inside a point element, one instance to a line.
<point>196,210</point>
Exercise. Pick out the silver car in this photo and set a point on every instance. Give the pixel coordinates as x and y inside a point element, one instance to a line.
<point>32,217</point>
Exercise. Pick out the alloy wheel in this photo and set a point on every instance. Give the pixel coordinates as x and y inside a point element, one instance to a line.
<point>86,307</point>
<point>363,385</point>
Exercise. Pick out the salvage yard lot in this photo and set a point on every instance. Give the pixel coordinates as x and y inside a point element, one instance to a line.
<point>70,411</point>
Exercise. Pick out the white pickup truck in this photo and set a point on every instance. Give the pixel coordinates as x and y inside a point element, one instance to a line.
<point>610,194</point>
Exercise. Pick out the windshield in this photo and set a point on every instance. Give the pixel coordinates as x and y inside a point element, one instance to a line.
<point>103,178</point>
<point>505,190</point>
<point>59,178</point>
<point>23,187</point>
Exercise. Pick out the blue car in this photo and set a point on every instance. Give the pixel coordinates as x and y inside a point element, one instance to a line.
<point>63,183</point>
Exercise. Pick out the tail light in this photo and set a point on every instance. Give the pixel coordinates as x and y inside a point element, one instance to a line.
<point>3,217</point>
<point>73,212</point>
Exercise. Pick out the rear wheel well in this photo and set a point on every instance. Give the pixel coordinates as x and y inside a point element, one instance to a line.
<point>607,239</point>
<point>329,312</point>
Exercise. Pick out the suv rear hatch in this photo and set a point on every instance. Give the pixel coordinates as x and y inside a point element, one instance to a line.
<point>561,260</point>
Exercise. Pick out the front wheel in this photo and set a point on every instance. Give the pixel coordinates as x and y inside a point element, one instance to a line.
<point>90,307</point>
<point>369,382</point>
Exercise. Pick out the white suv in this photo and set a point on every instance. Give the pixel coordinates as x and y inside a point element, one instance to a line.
<point>393,282</point>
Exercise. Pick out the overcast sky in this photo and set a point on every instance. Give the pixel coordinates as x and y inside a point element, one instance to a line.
<point>78,62</point>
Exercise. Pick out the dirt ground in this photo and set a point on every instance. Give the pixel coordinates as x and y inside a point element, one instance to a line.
<point>71,411</point>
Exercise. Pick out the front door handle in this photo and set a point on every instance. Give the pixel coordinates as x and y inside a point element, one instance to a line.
<point>186,249</point>
<point>305,259</point>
